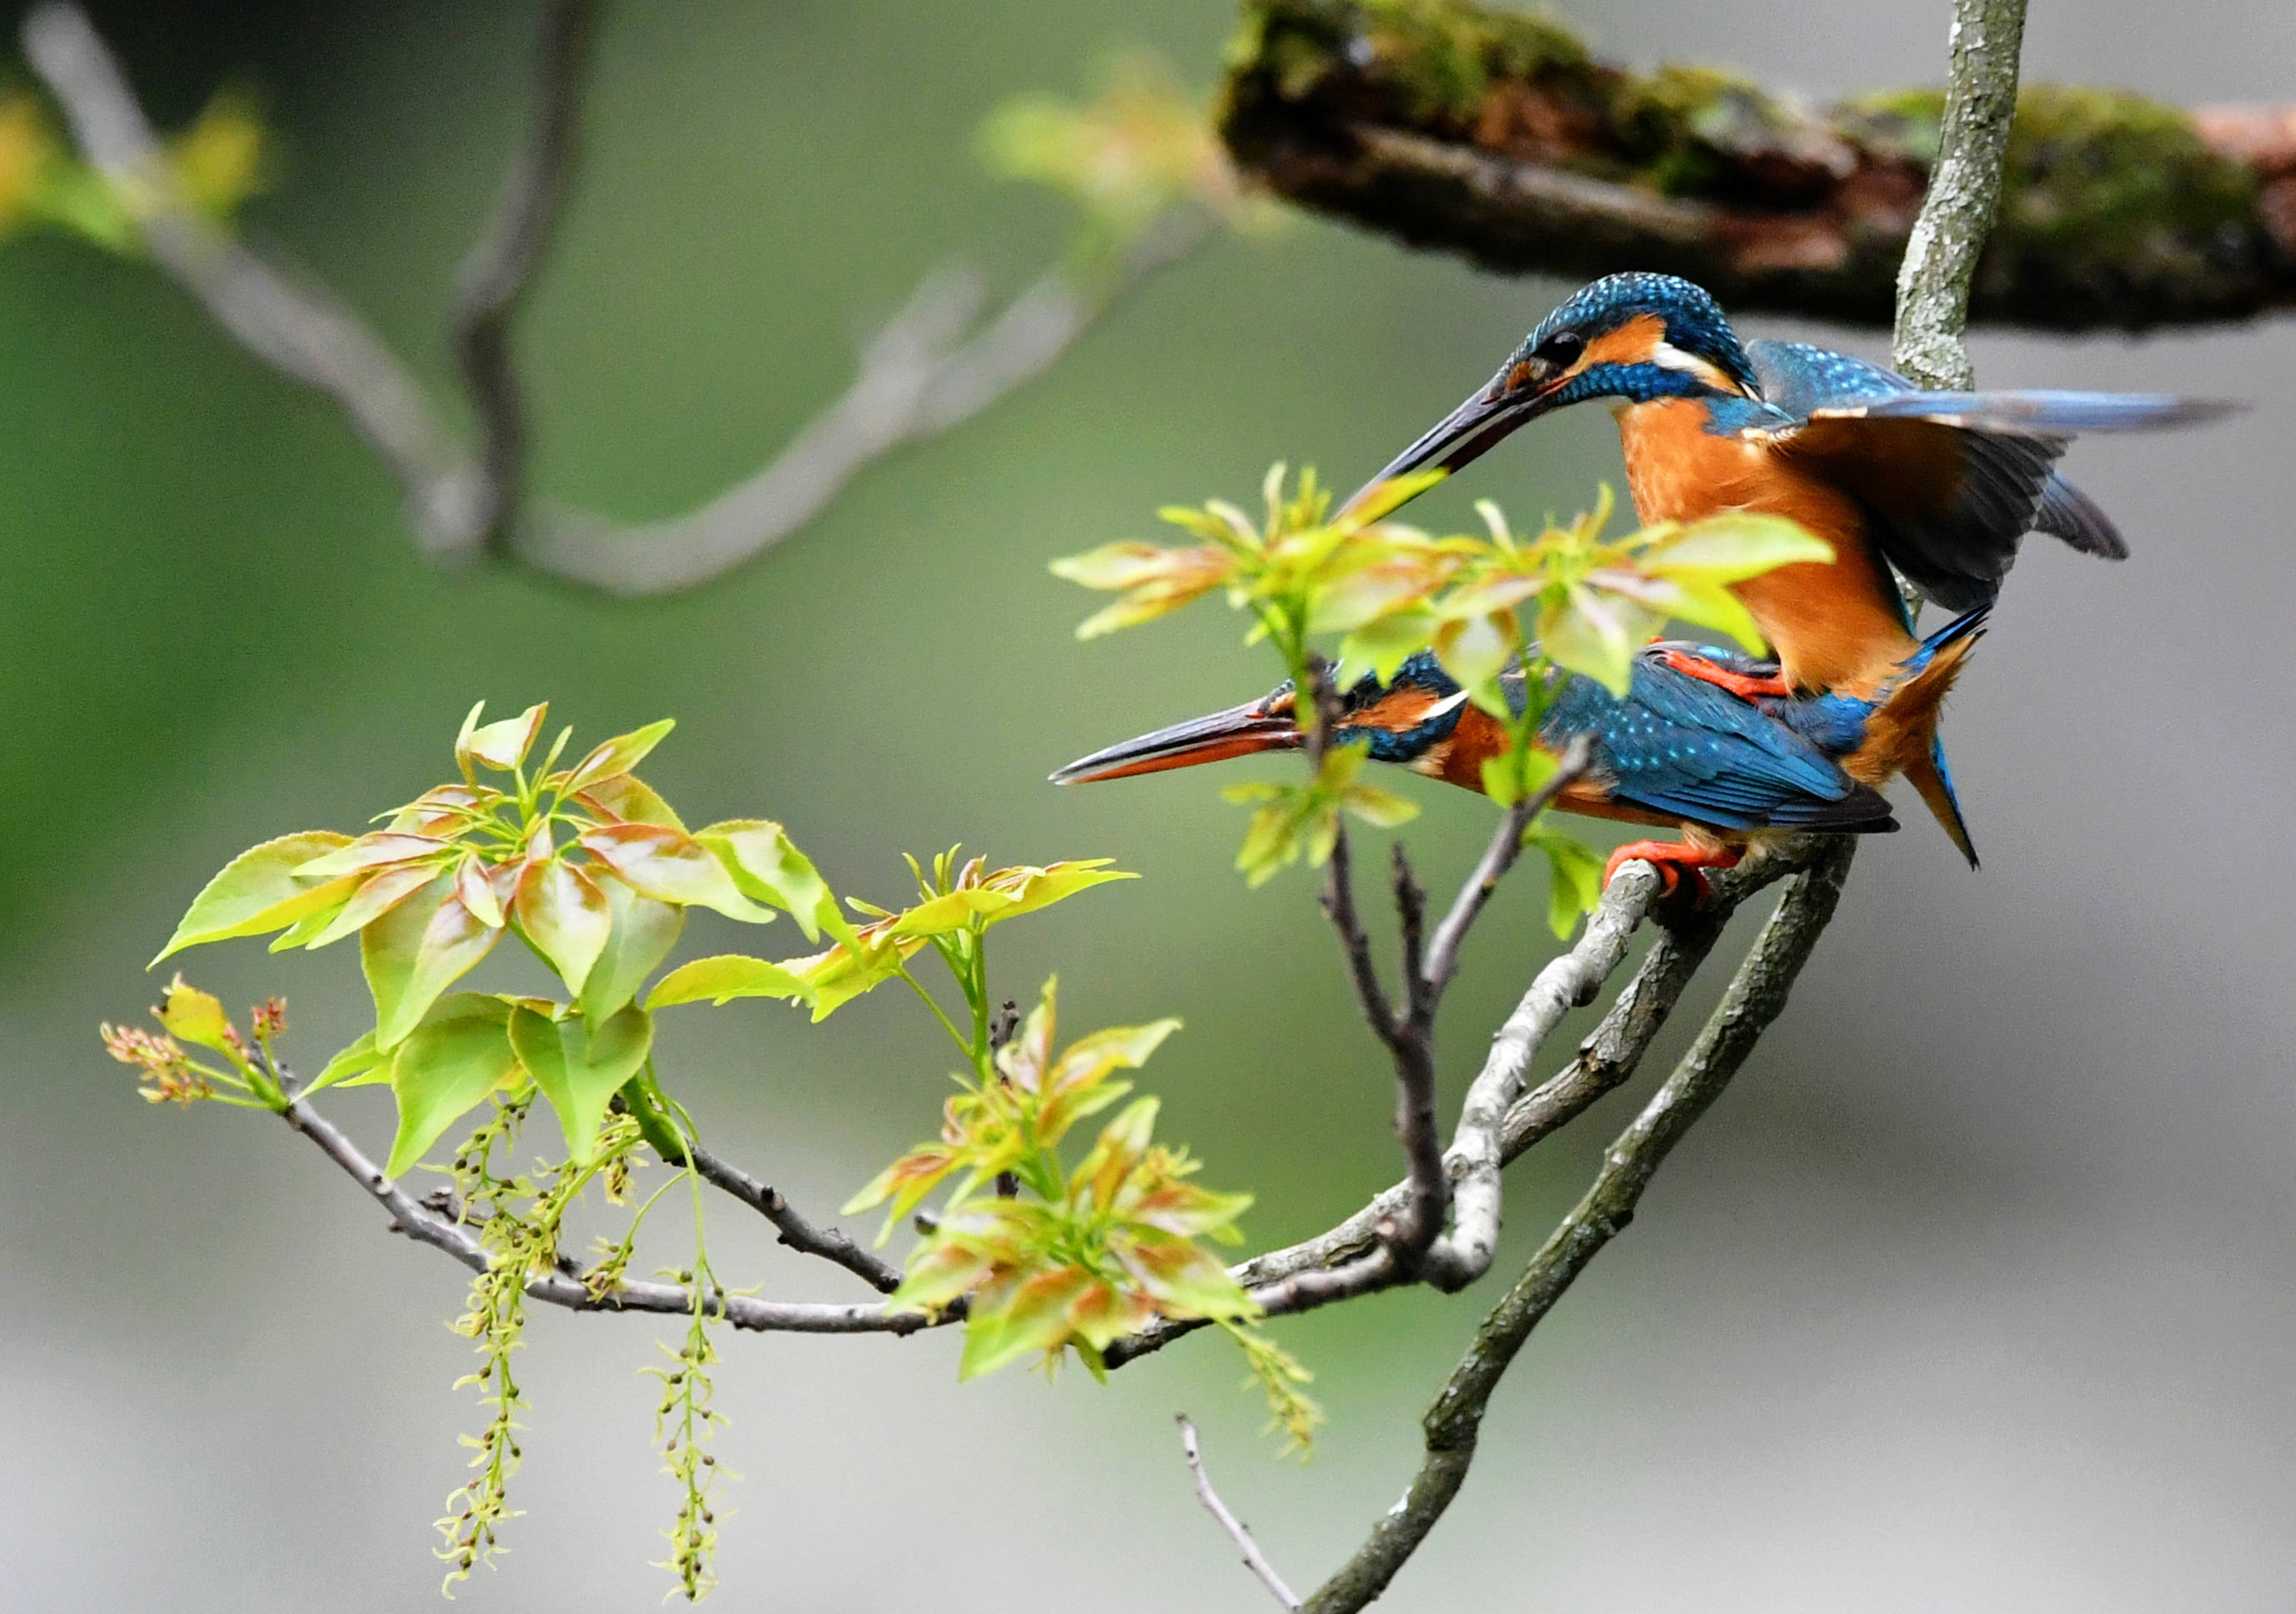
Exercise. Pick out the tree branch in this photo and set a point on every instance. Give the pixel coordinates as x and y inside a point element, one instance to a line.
<point>1941,254</point>
<point>934,367</point>
<point>1754,1000</point>
<point>500,268</point>
<point>796,1232</point>
<point>1254,1559</point>
<point>568,1289</point>
<point>300,329</point>
<point>1483,131</point>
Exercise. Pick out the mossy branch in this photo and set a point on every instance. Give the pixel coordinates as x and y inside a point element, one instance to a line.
<point>1499,136</point>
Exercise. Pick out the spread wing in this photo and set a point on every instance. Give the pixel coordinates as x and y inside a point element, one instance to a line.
<point>1951,481</point>
<point>1688,749</point>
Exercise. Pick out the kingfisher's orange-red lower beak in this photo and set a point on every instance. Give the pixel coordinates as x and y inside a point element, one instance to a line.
<point>1238,732</point>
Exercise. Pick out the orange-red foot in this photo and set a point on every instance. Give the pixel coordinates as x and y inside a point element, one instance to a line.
<point>1745,686</point>
<point>1676,863</point>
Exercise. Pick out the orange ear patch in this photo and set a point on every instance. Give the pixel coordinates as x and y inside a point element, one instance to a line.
<point>1632,343</point>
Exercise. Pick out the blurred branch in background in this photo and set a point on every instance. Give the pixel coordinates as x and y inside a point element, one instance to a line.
<point>1497,136</point>
<point>1151,179</point>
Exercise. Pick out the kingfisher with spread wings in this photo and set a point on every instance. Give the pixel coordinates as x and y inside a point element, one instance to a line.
<point>1942,487</point>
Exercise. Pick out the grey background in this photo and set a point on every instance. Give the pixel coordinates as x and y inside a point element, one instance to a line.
<point>1976,1292</point>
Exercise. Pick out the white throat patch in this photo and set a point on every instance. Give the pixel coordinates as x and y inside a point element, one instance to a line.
<point>1666,355</point>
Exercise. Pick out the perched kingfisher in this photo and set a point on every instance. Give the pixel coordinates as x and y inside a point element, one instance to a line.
<point>1942,486</point>
<point>1684,749</point>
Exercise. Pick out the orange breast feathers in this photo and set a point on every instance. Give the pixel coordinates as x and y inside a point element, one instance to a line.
<point>1834,627</point>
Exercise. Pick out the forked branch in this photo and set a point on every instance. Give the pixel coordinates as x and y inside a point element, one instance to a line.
<point>938,363</point>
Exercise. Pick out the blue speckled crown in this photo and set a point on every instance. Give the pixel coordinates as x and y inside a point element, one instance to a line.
<point>1694,321</point>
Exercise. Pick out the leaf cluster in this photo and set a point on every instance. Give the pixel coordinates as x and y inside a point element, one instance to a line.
<point>215,165</point>
<point>1506,615</point>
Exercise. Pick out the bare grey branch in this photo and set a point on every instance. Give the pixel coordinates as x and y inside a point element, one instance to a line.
<point>1254,1559</point>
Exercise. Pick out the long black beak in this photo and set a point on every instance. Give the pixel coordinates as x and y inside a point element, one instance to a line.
<point>1238,732</point>
<point>1464,435</point>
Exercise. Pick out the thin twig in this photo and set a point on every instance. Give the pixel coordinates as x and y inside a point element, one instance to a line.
<point>495,275</point>
<point>1754,1000</point>
<point>567,1288</point>
<point>1254,1559</point>
<point>1499,856</point>
<point>796,1232</point>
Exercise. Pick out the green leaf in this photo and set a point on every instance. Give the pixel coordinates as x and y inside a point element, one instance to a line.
<point>446,1069</point>
<point>1476,649</point>
<point>370,852</point>
<point>256,891</point>
<point>415,951</point>
<point>627,799</point>
<point>722,978</point>
<point>1385,645</point>
<point>195,1017</point>
<point>1508,777</point>
<point>1587,634</point>
<point>1377,806</point>
<point>1711,605</point>
<point>1033,1319</point>
<point>615,757</point>
<point>835,979</point>
<point>565,918</point>
<point>579,1068</point>
<point>358,1066</point>
<point>642,934</point>
<point>503,745</point>
<point>1575,875</point>
<point>1392,495</point>
<point>671,866</point>
<point>378,895</point>
<point>767,867</point>
<point>1731,547</point>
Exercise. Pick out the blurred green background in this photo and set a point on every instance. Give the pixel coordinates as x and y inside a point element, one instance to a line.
<point>1977,1292</point>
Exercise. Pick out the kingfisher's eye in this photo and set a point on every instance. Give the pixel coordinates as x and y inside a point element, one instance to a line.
<point>1561,351</point>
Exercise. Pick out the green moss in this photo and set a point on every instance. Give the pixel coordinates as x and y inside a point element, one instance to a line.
<point>1438,59</point>
<point>1681,124</point>
<point>2092,166</point>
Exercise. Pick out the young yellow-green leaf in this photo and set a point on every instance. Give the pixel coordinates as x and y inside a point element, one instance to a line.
<point>1114,1153</point>
<point>195,1017</point>
<point>1390,496</point>
<point>1588,634</point>
<point>642,934</point>
<point>835,979</point>
<point>724,977</point>
<point>1377,806</point>
<point>503,745</point>
<point>1475,649</point>
<point>767,867</point>
<point>627,799</point>
<point>415,951</point>
<point>1384,645</point>
<point>378,894</point>
<point>565,917</point>
<point>1180,1275</point>
<point>1508,779</point>
<point>580,1065</point>
<point>906,1182</point>
<point>1711,604</point>
<point>671,866</point>
<point>1574,871</point>
<point>476,889</point>
<point>360,1065</point>
<point>1033,1319</point>
<point>369,853</point>
<point>1731,547</point>
<point>257,890</point>
<point>446,1069</point>
<point>1034,888</point>
<point>615,757</point>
